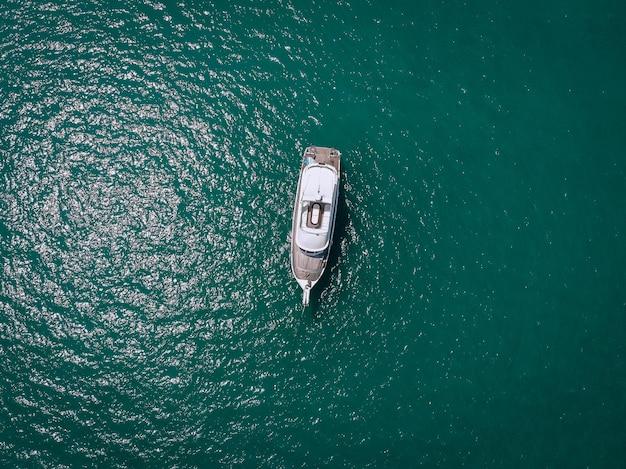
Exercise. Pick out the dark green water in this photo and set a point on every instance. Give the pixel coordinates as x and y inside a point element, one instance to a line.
<point>474,311</point>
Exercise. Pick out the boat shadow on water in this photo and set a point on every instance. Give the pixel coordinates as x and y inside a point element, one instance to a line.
<point>341,222</point>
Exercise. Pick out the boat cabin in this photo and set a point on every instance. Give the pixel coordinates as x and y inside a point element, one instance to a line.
<point>319,184</point>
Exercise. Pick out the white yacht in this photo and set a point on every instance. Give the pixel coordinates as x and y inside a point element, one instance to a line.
<point>314,214</point>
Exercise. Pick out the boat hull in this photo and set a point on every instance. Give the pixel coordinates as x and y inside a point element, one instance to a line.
<point>308,268</point>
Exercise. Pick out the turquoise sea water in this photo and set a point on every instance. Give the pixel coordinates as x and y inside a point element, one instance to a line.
<point>473,312</point>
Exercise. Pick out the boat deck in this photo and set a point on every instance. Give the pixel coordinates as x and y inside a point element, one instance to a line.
<point>306,267</point>
<point>324,155</point>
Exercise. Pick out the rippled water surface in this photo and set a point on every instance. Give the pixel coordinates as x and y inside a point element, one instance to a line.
<point>473,312</point>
